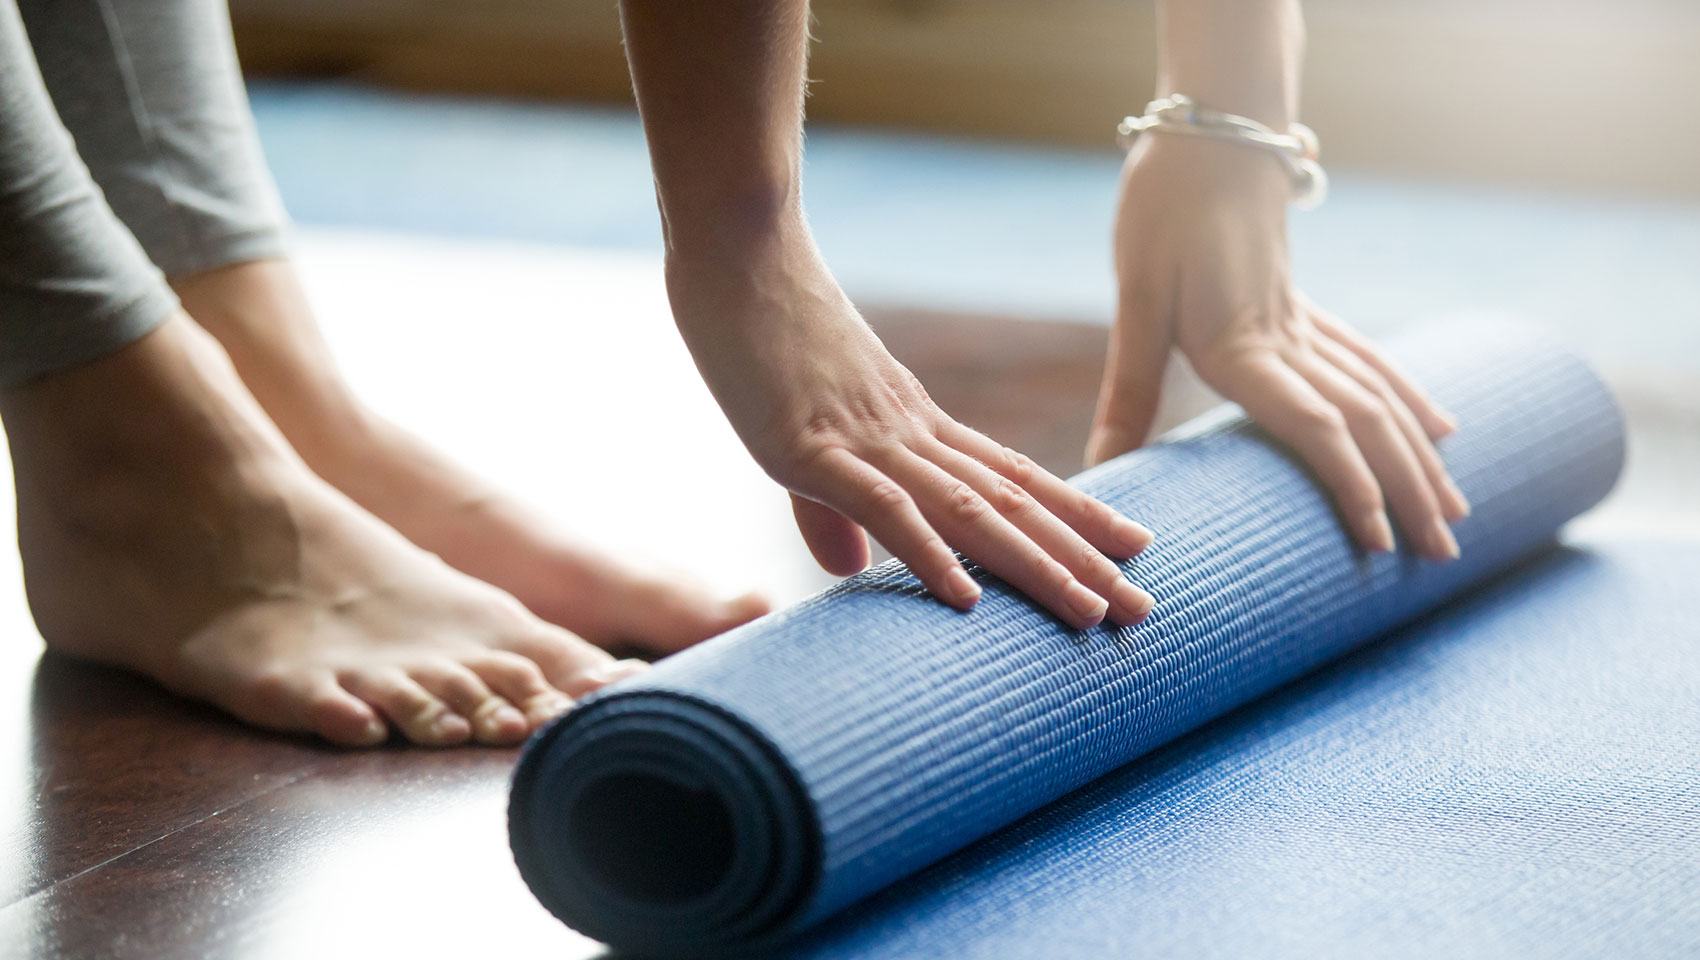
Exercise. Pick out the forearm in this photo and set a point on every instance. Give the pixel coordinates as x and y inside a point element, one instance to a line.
<point>720,89</point>
<point>1242,56</point>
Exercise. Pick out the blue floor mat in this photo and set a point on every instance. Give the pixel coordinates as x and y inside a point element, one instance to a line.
<point>753,786</point>
<point>1514,777</point>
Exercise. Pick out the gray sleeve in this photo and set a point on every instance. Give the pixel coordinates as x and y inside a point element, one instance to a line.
<point>74,284</point>
<point>152,93</point>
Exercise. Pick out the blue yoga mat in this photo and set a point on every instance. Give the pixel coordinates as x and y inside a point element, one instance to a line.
<point>746,789</point>
<point>1512,777</point>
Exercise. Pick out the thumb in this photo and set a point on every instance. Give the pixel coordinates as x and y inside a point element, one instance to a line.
<point>1133,384</point>
<point>837,542</point>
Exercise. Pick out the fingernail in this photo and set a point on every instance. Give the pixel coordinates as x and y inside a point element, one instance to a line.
<point>962,586</point>
<point>1132,603</point>
<point>1448,423</point>
<point>1445,544</point>
<point>1378,533</point>
<point>1130,537</point>
<point>1087,606</point>
<point>1460,503</point>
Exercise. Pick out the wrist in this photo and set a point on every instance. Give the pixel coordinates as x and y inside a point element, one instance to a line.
<point>714,217</point>
<point>744,272</point>
<point>1217,167</point>
<point>1237,56</point>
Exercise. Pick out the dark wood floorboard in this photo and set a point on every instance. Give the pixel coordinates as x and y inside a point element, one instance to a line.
<point>133,824</point>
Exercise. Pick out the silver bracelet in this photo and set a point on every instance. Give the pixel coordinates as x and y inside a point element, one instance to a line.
<point>1298,148</point>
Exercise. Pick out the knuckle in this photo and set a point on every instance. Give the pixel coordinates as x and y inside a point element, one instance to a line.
<point>1093,563</point>
<point>941,554</point>
<point>887,496</point>
<point>919,391</point>
<point>1010,499</point>
<point>1085,505</point>
<point>1369,415</point>
<point>1321,417</point>
<point>965,504</point>
<point>808,457</point>
<point>1018,467</point>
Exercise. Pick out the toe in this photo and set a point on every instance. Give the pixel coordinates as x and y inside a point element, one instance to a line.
<point>344,719</point>
<point>420,716</point>
<point>612,671</point>
<point>678,615</point>
<point>494,719</point>
<point>521,682</point>
<point>300,700</point>
<point>741,610</point>
<point>565,659</point>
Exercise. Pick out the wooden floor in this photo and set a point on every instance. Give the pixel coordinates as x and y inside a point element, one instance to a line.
<point>136,825</point>
<point>133,824</point>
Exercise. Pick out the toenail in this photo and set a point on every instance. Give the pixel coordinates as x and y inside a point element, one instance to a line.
<point>609,672</point>
<point>550,706</point>
<point>507,717</point>
<point>448,724</point>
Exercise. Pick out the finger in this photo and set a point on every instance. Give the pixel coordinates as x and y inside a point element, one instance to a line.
<point>1436,421</point>
<point>1372,425</point>
<point>838,544</point>
<point>959,512</point>
<point>1133,382</point>
<point>885,509</point>
<point>1453,504</point>
<point>419,716</point>
<point>494,720</point>
<point>1128,604</point>
<point>1291,409</point>
<point>1088,516</point>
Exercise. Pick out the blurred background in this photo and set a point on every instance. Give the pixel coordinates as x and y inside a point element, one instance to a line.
<point>1532,158</point>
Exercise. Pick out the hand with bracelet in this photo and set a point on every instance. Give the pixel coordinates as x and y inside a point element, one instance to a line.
<point>1202,265</point>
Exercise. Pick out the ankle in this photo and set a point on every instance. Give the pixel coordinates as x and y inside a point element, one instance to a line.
<point>169,398</point>
<point>259,312</point>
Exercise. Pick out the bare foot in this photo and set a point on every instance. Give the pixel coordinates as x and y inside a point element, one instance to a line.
<point>259,313</point>
<point>167,527</point>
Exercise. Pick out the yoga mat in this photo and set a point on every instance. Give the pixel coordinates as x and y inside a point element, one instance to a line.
<point>747,788</point>
<point>1514,776</point>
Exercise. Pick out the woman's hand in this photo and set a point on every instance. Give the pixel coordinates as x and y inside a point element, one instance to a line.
<point>1201,256</point>
<point>831,416</point>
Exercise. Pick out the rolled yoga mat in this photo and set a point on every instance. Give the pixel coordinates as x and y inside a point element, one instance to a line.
<point>747,788</point>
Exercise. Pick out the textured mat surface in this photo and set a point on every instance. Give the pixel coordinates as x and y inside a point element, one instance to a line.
<point>748,788</point>
<point>1515,777</point>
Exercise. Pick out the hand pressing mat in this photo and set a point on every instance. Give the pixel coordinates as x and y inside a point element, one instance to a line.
<point>749,788</point>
